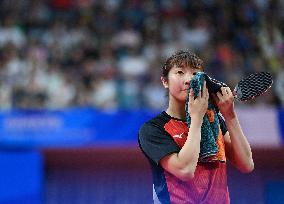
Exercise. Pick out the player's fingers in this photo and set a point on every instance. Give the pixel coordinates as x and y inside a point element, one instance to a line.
<point>229,92</point>
<point>204,89</point>
<point>191,95</point>
<point>207,94</point>
<point>220,96</point>
<point>224,92</point>
<point>199,93</point>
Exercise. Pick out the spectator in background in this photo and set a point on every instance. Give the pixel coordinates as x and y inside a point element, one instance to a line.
<point>196,36</point>
<point>154,94</point>
<point>10,32</point>
<point>104,83</point>
<point>272,43</point>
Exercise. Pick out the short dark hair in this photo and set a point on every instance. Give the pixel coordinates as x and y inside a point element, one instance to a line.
<point>182,58</point>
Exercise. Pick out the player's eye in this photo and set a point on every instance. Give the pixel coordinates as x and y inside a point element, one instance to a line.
<point>180,72</point>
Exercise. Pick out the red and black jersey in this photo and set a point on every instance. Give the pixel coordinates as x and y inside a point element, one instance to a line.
<point>164,135</point>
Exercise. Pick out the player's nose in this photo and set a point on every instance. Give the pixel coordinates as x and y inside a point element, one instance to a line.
<point>188,78</point>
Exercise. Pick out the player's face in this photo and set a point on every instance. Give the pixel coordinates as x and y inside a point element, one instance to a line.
<point>178,82</point>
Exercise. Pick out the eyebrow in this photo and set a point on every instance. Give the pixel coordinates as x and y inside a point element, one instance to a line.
<point>179,67</point>
<point>184,67</point>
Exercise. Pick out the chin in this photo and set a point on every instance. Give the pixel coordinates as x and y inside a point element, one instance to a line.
<point>182,99</point>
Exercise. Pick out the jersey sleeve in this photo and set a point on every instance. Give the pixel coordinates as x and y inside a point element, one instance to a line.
<point>155,142</point>
<point>223,125</point>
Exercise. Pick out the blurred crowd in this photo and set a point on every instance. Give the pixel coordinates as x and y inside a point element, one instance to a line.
<point>108,53</point>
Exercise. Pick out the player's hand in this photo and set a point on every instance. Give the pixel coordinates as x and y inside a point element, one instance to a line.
<point>197,107</point>
<point>225,102</point>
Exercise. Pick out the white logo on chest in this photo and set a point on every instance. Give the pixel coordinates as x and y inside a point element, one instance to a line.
<point>178,136</point>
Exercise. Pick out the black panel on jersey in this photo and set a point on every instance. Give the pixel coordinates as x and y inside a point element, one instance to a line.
<point>154,141</point>
<point>223,125</point>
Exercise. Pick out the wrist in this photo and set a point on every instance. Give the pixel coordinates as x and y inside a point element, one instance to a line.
<point>197,120</point>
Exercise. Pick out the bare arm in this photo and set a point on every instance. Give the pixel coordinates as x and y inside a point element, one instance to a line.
<point>183,164</point>
<point>237,147</point>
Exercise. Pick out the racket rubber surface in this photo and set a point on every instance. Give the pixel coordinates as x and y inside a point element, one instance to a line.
<point>252,86</point>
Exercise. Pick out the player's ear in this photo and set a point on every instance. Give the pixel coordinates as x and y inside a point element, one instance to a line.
<point>165,82</point>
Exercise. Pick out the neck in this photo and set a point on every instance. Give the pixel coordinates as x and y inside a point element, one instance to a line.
<point>176,109</point>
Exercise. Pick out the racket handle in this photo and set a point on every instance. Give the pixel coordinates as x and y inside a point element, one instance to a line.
<point>214,85</point>
<point>237,93</point>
